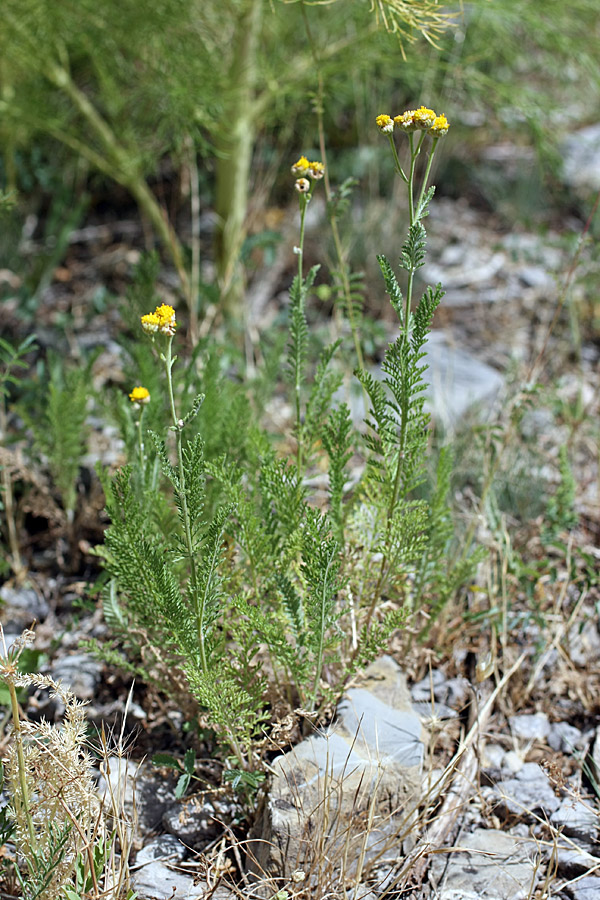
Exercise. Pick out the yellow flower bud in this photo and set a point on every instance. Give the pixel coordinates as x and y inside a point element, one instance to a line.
<point>301,167</point>
<point>140,395</point>
<point>385,124</point>
<point>440,126</point>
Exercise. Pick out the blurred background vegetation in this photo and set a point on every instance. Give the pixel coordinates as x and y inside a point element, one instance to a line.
<point>179,108</point>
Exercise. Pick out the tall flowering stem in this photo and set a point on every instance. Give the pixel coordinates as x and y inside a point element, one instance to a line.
<point>424,122</point>
<point>307,172</point>
<point>163,321</point>
<point>177,426</point>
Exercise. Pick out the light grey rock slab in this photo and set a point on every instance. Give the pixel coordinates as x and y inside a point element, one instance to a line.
<point>491,865</point>
<point>22,606</point>
<point>536,277</point>
<point>380,731</point>
<point>156,881</point>
<point>575,861</point>
<point>195,820</point>
<point>80,673</point>
<point>476,266</point>
<point>528,792</point>
<point>581,159</point>
<point>533,727</point>
<point>587,888</point>
<point>370,758</point>
<point>154,794</point>
<point>429,712</point>
<point>513,762</point>
<point>429,686</point>
<point>456,692</point>
<point>564,738</point>
<point>164,847</point>
<point>584,642</point>
<point>139,787</point>
<point>456,380</point>
<point>492,756</point>
<point>577,819</point>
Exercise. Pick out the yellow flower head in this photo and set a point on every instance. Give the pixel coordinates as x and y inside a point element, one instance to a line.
<point>385,124</point>
<point>162,319</point>
<point>406,122</point>
<point>140,395</point>
<point>166,314</point>
<point>440,126</point>
<point>424,118</point>
<point>302,185</point>
<point>150,323</point>
<point>316,170</point>
<point>301,167</point>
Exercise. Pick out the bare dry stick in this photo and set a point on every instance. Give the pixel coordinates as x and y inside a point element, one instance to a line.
<point>459,778</point>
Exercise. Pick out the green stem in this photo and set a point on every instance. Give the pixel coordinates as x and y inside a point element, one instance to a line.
<point>18,736</point>
<point>169,361</point>
<point>321,635</point>
<point>426,176</point>
<point>141,442</point>
<point>304,201</point>
<point>398,167</point>
<point>414,213</point>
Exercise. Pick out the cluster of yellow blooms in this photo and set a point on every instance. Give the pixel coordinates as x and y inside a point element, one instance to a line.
<point>162,319</point>
<point>302,168</point>
<point>421,119</point>
<point>140,395</point>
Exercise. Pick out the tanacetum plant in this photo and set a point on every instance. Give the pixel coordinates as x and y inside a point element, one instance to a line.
<point>252,596</point>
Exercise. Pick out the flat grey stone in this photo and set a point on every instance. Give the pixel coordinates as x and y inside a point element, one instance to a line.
<point>429,686</point>
<point>528,792</point>
<point>581,159</point>
<point>587,888</point>
<point>577,819</point>
<point>564,738</point>
<point>429,712</point>
<point>154,794</point>
<point>493,755</point>
<point>478,266</point>
<point>195,820</point>
<point>584,642</point>
<point>491,865</point>
<point>533,727</point>
<point>512,762</point>
<point>374,750</point>
<point>456,692</point>
<point>22,607</point>
<point>394,735</point>
<point>80,673</point>
<point>574,861</point>
<point>164,847</point>
<point>535,277</point>
<point>156,881</point>
<point>456,380</point>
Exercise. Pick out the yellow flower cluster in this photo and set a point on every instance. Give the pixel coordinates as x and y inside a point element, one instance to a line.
<point>162,319</point>
<point>422,119</point>
<point>140,395</point>
<point>303,167</point>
